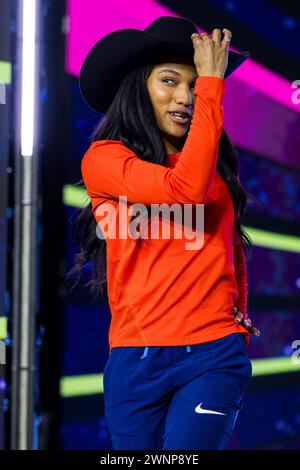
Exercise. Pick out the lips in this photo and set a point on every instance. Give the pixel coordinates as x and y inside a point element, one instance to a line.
<point>179,120</point>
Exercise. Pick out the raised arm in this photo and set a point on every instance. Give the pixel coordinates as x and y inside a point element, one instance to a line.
<point>110,169</point>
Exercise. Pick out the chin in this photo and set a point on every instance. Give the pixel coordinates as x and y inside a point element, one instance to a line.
<point>178,133</point>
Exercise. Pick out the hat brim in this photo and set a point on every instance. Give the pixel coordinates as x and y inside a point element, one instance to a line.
<point>119,52</point>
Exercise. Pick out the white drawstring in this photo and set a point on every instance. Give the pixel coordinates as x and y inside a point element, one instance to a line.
<point>145,352</point>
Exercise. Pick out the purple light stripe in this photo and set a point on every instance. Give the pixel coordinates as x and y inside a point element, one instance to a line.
<point>268,83</point>
<point>259,124</point>
<point>95,19</point>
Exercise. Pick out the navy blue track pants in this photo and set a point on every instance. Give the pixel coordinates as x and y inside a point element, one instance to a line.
<point>175,397</point>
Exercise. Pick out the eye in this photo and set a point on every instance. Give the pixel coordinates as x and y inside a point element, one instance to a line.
<point>165,80</point>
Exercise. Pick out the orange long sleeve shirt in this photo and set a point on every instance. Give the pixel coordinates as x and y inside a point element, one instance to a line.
<point>161,293</point>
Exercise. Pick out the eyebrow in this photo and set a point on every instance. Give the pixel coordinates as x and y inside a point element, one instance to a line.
<point>175,72</point>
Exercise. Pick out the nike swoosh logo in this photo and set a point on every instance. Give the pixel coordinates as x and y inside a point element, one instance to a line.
<point>201,410</point>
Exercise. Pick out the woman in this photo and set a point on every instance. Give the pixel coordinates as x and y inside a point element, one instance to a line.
<point>178,364</point>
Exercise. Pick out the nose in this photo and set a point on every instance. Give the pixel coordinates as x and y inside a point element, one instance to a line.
<point>185,98</point>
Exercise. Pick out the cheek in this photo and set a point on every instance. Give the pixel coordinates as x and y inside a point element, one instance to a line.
<point>161,94</point>
<point>160,112</point>
<point>161,101</point>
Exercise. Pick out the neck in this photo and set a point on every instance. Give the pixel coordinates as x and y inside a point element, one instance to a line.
<point>173,144</point>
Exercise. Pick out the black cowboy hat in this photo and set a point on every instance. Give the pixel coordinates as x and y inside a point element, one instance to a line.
<point>121,51</point>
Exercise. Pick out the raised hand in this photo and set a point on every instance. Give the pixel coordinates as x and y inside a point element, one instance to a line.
<point>211,53</point>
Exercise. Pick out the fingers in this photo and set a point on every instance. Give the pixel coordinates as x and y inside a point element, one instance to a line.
<point>239,317</point>
<point>255,331</point>
<point>245,322</point>
<point>194,36</point>
<point>227,37</point>
<point>211,56</point>
<point>215,36</point>
<point>204,36</point>
<point>199,37</point>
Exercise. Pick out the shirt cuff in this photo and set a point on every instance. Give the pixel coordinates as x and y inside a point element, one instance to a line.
<point>212,87</point>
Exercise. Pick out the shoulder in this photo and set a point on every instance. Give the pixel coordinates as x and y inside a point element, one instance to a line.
<point>108,146</point>
<point>105,148</point>
<point>104,161</point>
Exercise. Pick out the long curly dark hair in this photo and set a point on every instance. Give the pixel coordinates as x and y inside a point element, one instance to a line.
<point>130,118</point>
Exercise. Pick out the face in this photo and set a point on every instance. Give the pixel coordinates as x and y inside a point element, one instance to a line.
<point>170,86</point>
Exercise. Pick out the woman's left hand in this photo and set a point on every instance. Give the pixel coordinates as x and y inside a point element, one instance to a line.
<point>245,322</point>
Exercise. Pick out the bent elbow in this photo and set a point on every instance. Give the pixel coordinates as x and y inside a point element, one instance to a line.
<point>200,198</point>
